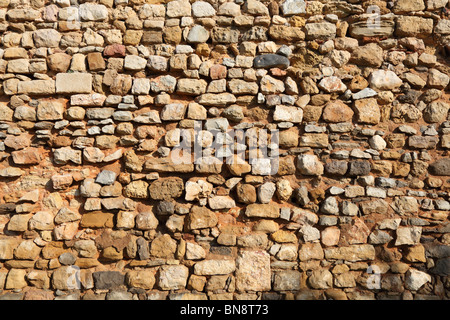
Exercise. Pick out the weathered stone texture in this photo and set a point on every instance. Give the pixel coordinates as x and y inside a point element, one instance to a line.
<point>245,150</point>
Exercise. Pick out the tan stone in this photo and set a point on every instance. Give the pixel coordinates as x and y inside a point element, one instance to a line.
<point>27,250</point>
<point>97,220</point>
<point>7,247</point>
<point>262,210</point>
<point>200,218</point>
<point>411,26</point>
<point>337,111</point>
<point>330,236</point>
<point>163,189</point>
<point>163,247</point>
<point>16,279</point>
<point>351,253</point>
<point>415,253</point>
<point>367,111</point>
<point>144,279</point>
<point>283,236</point>
<point>112,253</point>
<point>136,189</point>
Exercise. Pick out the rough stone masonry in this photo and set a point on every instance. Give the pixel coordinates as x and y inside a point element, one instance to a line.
<point>95,97</point>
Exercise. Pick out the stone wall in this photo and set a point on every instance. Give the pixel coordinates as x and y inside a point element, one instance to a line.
<point>348,199</point>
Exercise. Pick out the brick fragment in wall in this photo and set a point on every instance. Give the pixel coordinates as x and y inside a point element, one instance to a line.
<point>287,149</point>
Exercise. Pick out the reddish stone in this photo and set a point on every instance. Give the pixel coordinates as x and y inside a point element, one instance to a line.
<point>337,111</point>
<point>26,156</point>
<point>17,142</point>
<point>277,72</point>
<point>60,141</point>
<point>114,50</point>
<point>61,182</point>
<point>218,71</point>
<point>95,61</point>
<point>38,294</point>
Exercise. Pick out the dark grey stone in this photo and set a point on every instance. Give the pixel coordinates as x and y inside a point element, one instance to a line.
<point>271,61</point>
<point>108,279</point>
<point>338,168</point>
<point>385,182</point>
<point>284,50</point>
<point>142,249</point>
<point>442,267</point>
<point>440,167</point>
<point>436,250</point>
<point>106,177</point>
<point>165,208</point>
<point>301,195</point>
<point>359,168</point>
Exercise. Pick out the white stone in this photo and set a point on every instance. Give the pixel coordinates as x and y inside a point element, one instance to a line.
<point>134,63</point>
<point>73,83</point>
<point>46,38</point>
<point>214,267</point>
<point>194,251</point>
<point>377,142</point>
<point>173,277</point>
<point>266,191</point>
<point>196,190</point>
<point>291,7</point>
<point>288,114</point>
<point>309,233</point>
<point>382,80</point>
<point>309,164</point>
<point>173,111</point>
<point>178,9</point>
<point>93,12</point>
<point>197,34</point>
<point>140,86</point>
<point>376,192</point>
<point>261,166</point>
<point>415,279</point>
<point>221,202</point>
<point>408,235</point>
<point>332,84</point>
<point>202,9</point>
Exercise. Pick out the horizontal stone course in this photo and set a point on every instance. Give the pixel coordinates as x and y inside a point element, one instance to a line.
<point>245,150</point>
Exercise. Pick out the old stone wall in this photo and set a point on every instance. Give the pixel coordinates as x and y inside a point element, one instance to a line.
<point>105,105</point>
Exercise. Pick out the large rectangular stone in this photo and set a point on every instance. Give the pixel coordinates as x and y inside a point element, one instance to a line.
<point>314,140</point>
<point>422,142</point>
<point>88,100</point>
<point>253,272</point>
<point>166,165</point>
<point>262,210</point>
<point>36,87</point>
<point>73,83</point>
<point>362,29</point>
<point>351,253</point>
<point>214,267</point>
<point>411,26</point>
